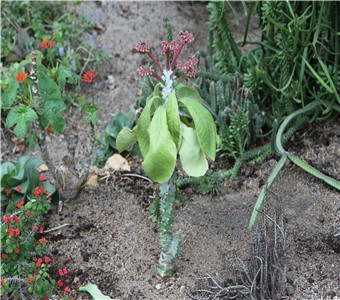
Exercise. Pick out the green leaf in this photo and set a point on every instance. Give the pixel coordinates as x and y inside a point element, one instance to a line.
<point>93,290</point>
<point>126,138</point>
<point>20,115</point>
<point>144,123</point>
<point>184,91</point>
<point>172,116</point>
<point>192,156</point>
<point>8,97</point>
<point>303,165</point>
<point>64,74</point>
<point>204,123</point>
<point>160,161</point>
<point>257,211</point>
<point>53,102</point>
<point>91,114</point>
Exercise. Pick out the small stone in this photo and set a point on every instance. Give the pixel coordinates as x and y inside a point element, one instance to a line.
<point>158,286</point>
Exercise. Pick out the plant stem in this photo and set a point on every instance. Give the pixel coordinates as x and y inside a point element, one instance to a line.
<point>171,245</point>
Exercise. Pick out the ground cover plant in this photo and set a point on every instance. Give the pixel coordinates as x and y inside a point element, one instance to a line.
<point>43,67</point>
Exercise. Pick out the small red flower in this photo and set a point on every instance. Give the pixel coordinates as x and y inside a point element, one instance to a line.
<point>21,203</point>
<point>3,255</point>
<point>17,231</point>
<point>47,260</point>
<point>62,272</point>
<point>68,260</point>
<point>19,189</point>
<point>46,44</point>
<point>16,218</point>
<point>41,229</point>
<point>42,177</point>
<point>2,281</point>
<point>28,213</point>
<point>37,192</point>
<point>8,191</point>
<point>60,283</point>
<point>21,76</point>
<point>42,240</point>
<point>67,290</point>
<point>39,262</point>
<point>6,220</point>
<point>89,76</point>
<point>10,230</point>
<point>30,280</point>
<point>17,249</point>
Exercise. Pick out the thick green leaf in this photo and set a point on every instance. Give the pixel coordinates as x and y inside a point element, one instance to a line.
<point>93,290</point>
<point>184,91</point>
<point>205,126</point>
<point>20,116</point>
<point>160,161</point>
<point>126,138</point>
<point>172,116</point>
<point>192,156</point>
<point>144,123</point>
<point>8,97</point>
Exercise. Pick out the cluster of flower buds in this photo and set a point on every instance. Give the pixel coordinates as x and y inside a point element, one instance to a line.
<point>173,65</point>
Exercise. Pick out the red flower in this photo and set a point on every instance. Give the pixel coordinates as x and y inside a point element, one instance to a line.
<point>39,262</point>
<point>60,283</point>
<point>62,272</point>
<point>10,230</point>
<point>8,191</point>
<point>37,192</point>
<point>21,203</point>
<point>17,231</point>
<point>17,249</point>
<point>30,280</point>
<point>2,281</point>
<point>6,220</point>
<point>28,213</point>
<point>47,260</point>
<point>3,255</point>
<point>41,229</point>
<point>89,76</point>
<point>42,240</point>
<point>19,189</point>
<point>46,44</point>
<point>21,76</point>
<point>67,290</point>
<point>16,218</point>
<point>42,177</point>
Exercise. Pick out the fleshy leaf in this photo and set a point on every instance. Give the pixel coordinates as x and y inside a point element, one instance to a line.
<point>20,115</point>
<point>204,124</point>
<point>144,123</point>
<point>93,290</point>
<point>184,91</point>
<point>160,161</point>
<point>192,157</point>
<point>172,116</point>
<point>126,138</point>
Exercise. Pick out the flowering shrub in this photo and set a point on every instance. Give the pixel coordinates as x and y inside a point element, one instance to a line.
<point>24,263</point>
